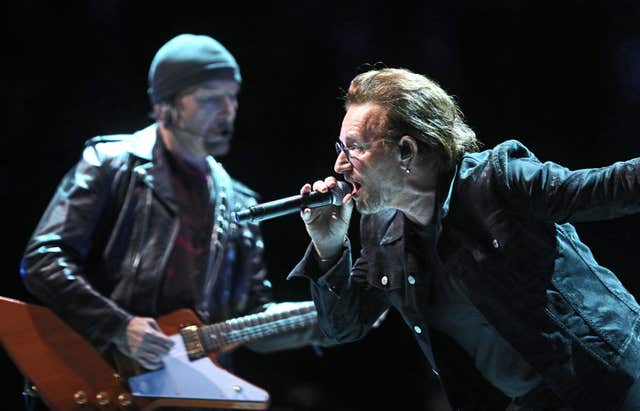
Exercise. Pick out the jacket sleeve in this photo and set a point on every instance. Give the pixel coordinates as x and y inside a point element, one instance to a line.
<point>551,192</point>
<point>347,306</point>
<point>53,267</point>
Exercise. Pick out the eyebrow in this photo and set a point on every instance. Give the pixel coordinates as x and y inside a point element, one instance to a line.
<point>351,140</point>
<point>360,138</point>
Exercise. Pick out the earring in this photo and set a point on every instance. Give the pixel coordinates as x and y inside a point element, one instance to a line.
<point>407,170</point>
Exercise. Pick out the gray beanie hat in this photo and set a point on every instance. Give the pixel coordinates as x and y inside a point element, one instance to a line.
<point>187,60</point>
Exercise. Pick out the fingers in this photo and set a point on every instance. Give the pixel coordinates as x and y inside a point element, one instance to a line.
<point>305,189</point>
<point>305,214</point>
<point>149,365</point>
<point>157,340</point>
<point>146,332</point>
<point>330,182</point>
<point>155,336</point>
<point>153,348</point>
<point>320,186</point>
<point>146,343</point>
<point>149,360</point>
<point>148,355</point>
<point>347,208</point>
<point>153,324</point>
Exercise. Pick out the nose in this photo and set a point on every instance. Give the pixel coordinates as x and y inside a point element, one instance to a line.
<point>342,164</point>
<point>227,107</point>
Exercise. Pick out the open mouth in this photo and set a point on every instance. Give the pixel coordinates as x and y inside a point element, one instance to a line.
<point>356,188</point>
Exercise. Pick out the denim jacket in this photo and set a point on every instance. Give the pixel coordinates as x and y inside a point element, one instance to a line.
<point>503,226</point>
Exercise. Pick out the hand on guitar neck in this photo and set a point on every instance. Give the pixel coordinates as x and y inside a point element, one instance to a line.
<point>144,341</point>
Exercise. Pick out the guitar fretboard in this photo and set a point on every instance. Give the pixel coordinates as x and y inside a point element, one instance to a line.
<point>256,326</point>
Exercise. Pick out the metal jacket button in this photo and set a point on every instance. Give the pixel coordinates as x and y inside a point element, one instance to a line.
<point>495,243</point>
<point>411,280</point>
<point>384,280</point>
<point>417,329</point>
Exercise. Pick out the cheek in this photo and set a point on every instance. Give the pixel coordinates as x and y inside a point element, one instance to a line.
<point>198,118</point>
<point>390,179</point>
<point>383,166</point>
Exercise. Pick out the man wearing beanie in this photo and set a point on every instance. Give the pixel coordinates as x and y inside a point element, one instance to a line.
<point>141,226</point>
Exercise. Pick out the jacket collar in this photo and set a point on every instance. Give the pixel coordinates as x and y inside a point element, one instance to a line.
<point>147,145</point>
<point>143,142</point>
<point>444,209</point>
<point>393,219</point>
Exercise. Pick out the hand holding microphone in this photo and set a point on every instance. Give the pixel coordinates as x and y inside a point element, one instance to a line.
<point>294,204</point>
<point>327,226</point>
<point>326,212</point>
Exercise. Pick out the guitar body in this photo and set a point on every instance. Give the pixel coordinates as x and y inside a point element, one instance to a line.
<point>69,374</point>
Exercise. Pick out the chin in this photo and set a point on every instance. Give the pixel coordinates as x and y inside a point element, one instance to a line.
<point>368,207</point>
<point>218,149</point>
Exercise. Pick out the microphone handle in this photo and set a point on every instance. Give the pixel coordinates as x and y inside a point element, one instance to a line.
<point>284,206</point>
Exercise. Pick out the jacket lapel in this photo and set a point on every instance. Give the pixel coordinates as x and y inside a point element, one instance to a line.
<point>155,171</point>
<point>393,220</point>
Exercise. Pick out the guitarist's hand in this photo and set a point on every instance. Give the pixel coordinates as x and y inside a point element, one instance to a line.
<point>145,342</point>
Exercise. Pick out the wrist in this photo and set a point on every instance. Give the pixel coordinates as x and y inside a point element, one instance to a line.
<point>327,252</point>
<point>327,257</point>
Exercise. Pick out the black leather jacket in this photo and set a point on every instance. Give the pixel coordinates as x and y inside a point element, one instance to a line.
<point>98,255</point>
<point>503,229</point>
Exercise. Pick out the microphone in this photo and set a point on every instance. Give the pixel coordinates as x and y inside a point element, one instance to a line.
<point>293,204</point>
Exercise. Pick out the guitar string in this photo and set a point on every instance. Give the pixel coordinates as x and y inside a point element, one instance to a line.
<point>254,320</point>
<point>264,330</point>
<point>261,330</point>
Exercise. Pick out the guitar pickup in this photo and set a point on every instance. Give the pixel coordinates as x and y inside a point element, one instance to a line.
<point>192,342</point>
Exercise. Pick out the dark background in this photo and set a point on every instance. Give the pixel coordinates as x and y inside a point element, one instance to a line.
<point>563,77</point>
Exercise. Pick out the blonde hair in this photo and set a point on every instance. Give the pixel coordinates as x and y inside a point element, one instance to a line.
<point>416,106</point>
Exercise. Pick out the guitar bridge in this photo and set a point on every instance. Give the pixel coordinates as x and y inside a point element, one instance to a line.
<point>192,342</point>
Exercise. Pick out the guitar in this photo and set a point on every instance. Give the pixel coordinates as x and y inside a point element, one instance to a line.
<point>69,374</point>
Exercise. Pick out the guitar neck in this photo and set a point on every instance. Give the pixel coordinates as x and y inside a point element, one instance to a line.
<point>255,326</point>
